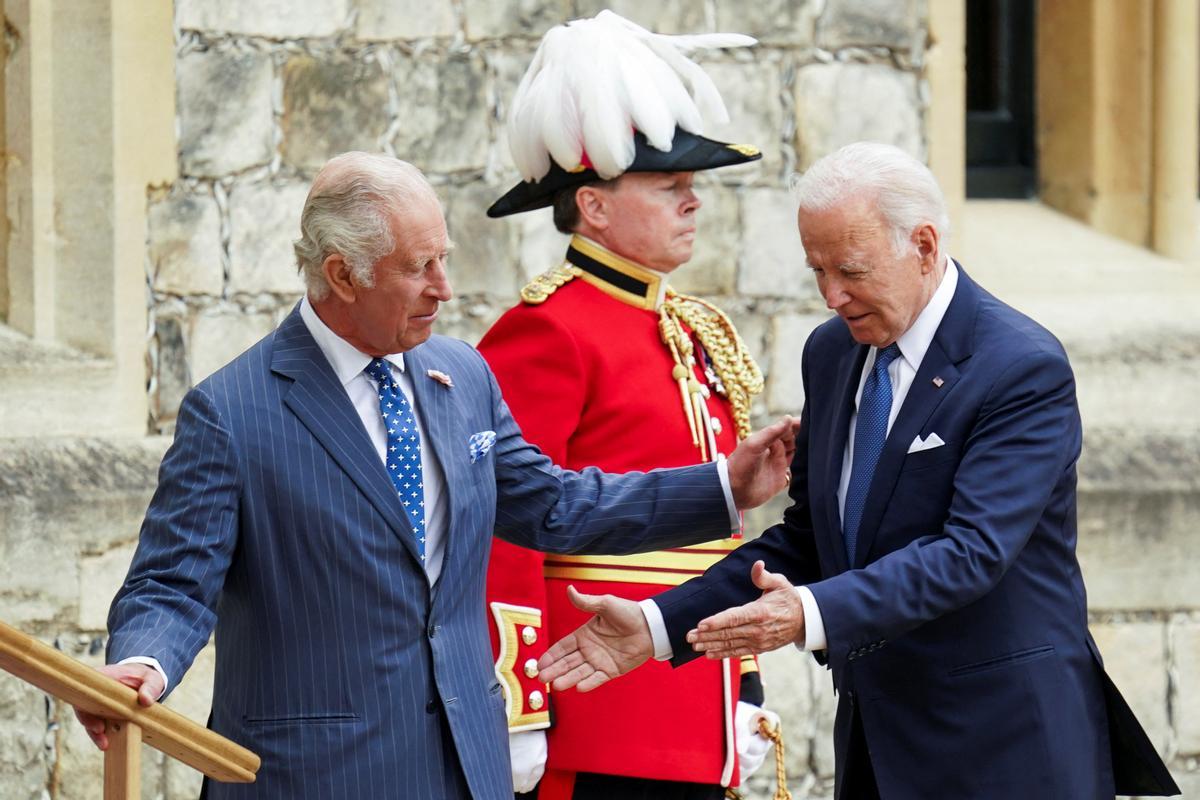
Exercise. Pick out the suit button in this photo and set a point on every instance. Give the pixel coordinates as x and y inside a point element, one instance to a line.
<point>431,707</point>
<point>433,629</point>
<point>528,635</point>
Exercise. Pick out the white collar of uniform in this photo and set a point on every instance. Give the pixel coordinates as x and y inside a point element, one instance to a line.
<point>346,359</point>
<point>915,341</point>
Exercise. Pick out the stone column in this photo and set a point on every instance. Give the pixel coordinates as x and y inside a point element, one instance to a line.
<point>1176,132</point>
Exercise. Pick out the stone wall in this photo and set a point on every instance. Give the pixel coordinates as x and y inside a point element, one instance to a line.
<point>268,90</point>
<point>265,98</point>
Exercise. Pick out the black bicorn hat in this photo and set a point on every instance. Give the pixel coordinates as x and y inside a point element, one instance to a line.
<point>603,97</point>
<point>689,152</point>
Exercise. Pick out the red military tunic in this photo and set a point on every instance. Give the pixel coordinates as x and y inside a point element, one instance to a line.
<point>591,381</point>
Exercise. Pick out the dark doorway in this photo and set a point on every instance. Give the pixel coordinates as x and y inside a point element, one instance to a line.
<point>1001,155</point>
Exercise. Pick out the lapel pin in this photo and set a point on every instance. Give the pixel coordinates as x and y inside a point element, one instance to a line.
<point>440,377</point>
<point>938,382</point>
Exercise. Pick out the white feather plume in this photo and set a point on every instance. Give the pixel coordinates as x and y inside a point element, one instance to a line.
<point>593,81</point>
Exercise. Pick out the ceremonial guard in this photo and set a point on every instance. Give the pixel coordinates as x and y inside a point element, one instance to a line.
<point>603,364</point>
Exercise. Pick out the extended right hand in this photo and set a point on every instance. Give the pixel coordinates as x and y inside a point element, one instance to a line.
<point>143,678</point>
<point>608,645</point>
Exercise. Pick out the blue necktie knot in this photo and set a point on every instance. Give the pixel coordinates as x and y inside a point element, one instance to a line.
<point>403,448</point>
<point>870,432</point>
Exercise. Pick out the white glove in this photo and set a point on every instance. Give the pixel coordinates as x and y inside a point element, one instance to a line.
<point>527,750</point>
<point>752,746</point>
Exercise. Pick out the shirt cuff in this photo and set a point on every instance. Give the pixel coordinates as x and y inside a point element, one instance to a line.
<point>149,662</point>
<point>658,630</point>
<point>814,626</point>
<point>735,516</point>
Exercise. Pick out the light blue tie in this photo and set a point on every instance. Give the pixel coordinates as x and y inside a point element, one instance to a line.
<point>403,448</point>
<point>869,434</point>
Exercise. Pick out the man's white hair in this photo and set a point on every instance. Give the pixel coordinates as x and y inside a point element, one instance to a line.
<point>902,189</point>
<point>349,211</point>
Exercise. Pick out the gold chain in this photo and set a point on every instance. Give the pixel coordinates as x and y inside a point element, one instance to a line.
<point>776,736</point>
<point>731,360</point>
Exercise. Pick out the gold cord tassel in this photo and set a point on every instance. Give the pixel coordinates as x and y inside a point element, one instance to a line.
<point>781,788</point>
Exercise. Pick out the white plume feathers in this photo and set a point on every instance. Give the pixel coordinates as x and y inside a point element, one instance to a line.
<point>593,81</point>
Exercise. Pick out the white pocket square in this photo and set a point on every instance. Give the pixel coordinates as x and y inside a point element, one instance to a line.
<point>928,443</point>
<point>480,443</point>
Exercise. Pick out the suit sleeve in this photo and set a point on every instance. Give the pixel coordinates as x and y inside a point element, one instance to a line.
<point>165,608</point>
<point>1024,443</point>
<point>528,353</point>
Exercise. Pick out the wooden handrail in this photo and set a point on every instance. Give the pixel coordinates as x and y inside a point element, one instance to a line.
<point>163,729</point>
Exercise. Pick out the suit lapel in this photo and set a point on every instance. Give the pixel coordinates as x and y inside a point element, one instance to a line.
<point>848,373</point>
<point>444,431</point>
<point>950,346</point>
<point>320,402</point>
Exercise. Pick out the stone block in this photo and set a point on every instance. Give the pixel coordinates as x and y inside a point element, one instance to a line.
<point>193,696</point>
<point>389,20</point>
<point>837,104</point>
<point>469,320</point>
<point>58,498</point>
<point>221,333</point>
<point>184,232</point>
<point>487,19</point>
<point>770,21</point>
<point>1136,660</point>
<point>226,122</point>
<point>485,256</point>
<point>100,576</point>
<point>752,94</point>
<point>872,23</point>
<point>773,262</point>
<point>445,124</point>
<point>1186,702</point>
<point>264,220</point>
<point>785,385</point>
<point>542,245</point>
<point>24,772</point>
<point>713,267</point>
<point>666,16</point>
<point>171,368</point>
<point>273,19</point>
<point>331,106</point>
<point>1136,547</point>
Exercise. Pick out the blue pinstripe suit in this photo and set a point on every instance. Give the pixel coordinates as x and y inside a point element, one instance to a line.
<point>274,521</point>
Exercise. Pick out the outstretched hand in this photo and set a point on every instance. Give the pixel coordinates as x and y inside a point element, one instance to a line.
<point>770,622</point>
<point>608,645</point>
<point>758,468</point>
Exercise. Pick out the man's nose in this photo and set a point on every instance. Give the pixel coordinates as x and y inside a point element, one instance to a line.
<point>439,284</point>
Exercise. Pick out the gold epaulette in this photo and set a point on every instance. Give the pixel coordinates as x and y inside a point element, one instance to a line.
<point>730,358</point>
<point>546,284</point>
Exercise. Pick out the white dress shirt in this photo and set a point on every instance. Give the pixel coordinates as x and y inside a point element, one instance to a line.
<point>913,344</point>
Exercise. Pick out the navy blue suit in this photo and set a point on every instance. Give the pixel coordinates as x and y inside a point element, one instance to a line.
<point>958,635</point>
<point>274,520</point>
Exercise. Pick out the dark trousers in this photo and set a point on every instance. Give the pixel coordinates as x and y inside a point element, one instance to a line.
<point>859,781</point>
<point>593,786</point>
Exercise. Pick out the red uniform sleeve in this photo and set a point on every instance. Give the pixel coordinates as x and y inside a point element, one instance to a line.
<point>538,367</point>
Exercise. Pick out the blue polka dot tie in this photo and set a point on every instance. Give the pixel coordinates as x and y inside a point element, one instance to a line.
<point>869,434</point>
<point>403,448</point>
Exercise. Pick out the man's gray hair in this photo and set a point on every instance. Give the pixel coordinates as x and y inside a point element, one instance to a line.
<point>901,187</point>
<point>349,212</point>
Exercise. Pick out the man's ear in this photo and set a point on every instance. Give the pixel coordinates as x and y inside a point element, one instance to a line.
<point>338,276</point>
<point>928,245</point>
<point>593,203</point>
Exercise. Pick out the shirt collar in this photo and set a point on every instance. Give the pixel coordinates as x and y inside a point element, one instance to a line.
<point>915,341</point>
<point>347,361</point>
